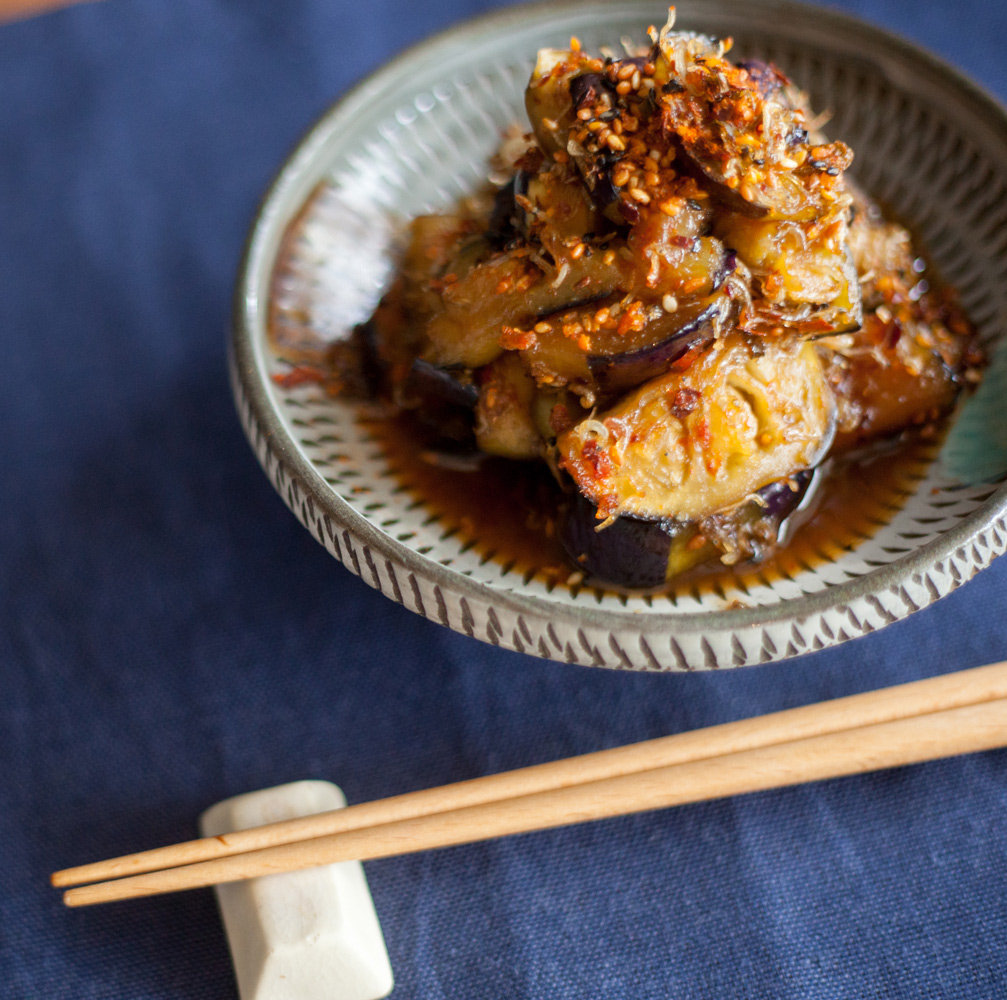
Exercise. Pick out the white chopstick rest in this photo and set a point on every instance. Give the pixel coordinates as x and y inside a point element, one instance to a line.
<point>299,935</point>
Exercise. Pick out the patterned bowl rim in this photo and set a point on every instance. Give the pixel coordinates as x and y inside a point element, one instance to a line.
<point>286,465</point>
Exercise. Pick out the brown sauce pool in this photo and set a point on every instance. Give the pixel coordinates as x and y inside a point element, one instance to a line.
<point>502,511</point>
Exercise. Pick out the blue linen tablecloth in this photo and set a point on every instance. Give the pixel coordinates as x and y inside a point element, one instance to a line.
<point>170,636</point>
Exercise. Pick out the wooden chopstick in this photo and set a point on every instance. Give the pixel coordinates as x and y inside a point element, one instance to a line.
<point>886,705</point>
<point>891,704</point>
<point>11,10</point>
<point>945,733</point>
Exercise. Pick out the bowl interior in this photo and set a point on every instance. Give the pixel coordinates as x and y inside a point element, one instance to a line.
<point>419,134</point>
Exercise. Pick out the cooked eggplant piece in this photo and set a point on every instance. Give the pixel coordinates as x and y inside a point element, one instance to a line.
<point>513,291</point>
<point>629,552</point>
<point>916,349</point>
<point>803,273</point>
<point>752,148</point>
<point>672,338</point>
<point>669,262</point>
<point>561,83</point>
<point>547,98</point>
<point>883,390</point>
<point>744,414</point>
<point>601,118</point>
<point>616,342</point>
<point>504,423</point>
<point>639,554</point>
<point>498,302</point>
<point>556,211</point>
<point>442,403</point>
<point>363,371</point>
<point>609,346</point>
<point>904,368</point>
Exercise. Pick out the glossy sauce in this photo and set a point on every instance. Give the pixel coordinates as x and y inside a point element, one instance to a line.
<point>503,511</point>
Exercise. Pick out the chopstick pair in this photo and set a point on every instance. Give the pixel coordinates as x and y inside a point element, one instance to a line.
<point>954,714</point>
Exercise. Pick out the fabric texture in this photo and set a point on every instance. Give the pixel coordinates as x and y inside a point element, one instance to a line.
<point>170,635</point>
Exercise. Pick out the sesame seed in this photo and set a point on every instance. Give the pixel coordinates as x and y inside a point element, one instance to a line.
<point>625,71</point>
<point>543,327</point>
<point>609,258</point>
<point>577,252</point>
<point>669,304</point>
<point>638,194</point>
<point>584,114</point>
<point>615,142</point>
<point>623,88</point>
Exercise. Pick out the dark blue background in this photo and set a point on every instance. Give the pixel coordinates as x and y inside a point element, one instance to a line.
<point>169,635</point>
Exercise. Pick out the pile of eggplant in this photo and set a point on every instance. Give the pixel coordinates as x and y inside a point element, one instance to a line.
<point>677,300</point>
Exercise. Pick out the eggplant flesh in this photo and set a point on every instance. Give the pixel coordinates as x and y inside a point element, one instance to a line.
<point>916,349</point>
<point>806,278</point>
<point>504,424</point>
<point>645,555</point>
<point>510,291</point>
<point>556,210</point>
<point>692,442</point>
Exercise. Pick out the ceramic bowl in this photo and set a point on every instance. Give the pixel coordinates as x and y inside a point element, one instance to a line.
<point>417,134</point>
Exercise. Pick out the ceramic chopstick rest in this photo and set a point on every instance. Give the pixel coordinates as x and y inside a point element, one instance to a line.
<point>306,934</point>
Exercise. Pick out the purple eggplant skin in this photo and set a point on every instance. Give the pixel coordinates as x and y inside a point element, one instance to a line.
<point>642,555</point>
<point>628,553</point>
<point>370,366</point>
<point>780,499</point>
<point>443,405</point>
<point>588,87</point>
<point>764,75</point>
<point>601,187</point>
<point>617,372</point>
<point>507,222</point>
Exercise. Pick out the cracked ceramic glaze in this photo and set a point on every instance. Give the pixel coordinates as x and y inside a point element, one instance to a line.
<point>418,134</point>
